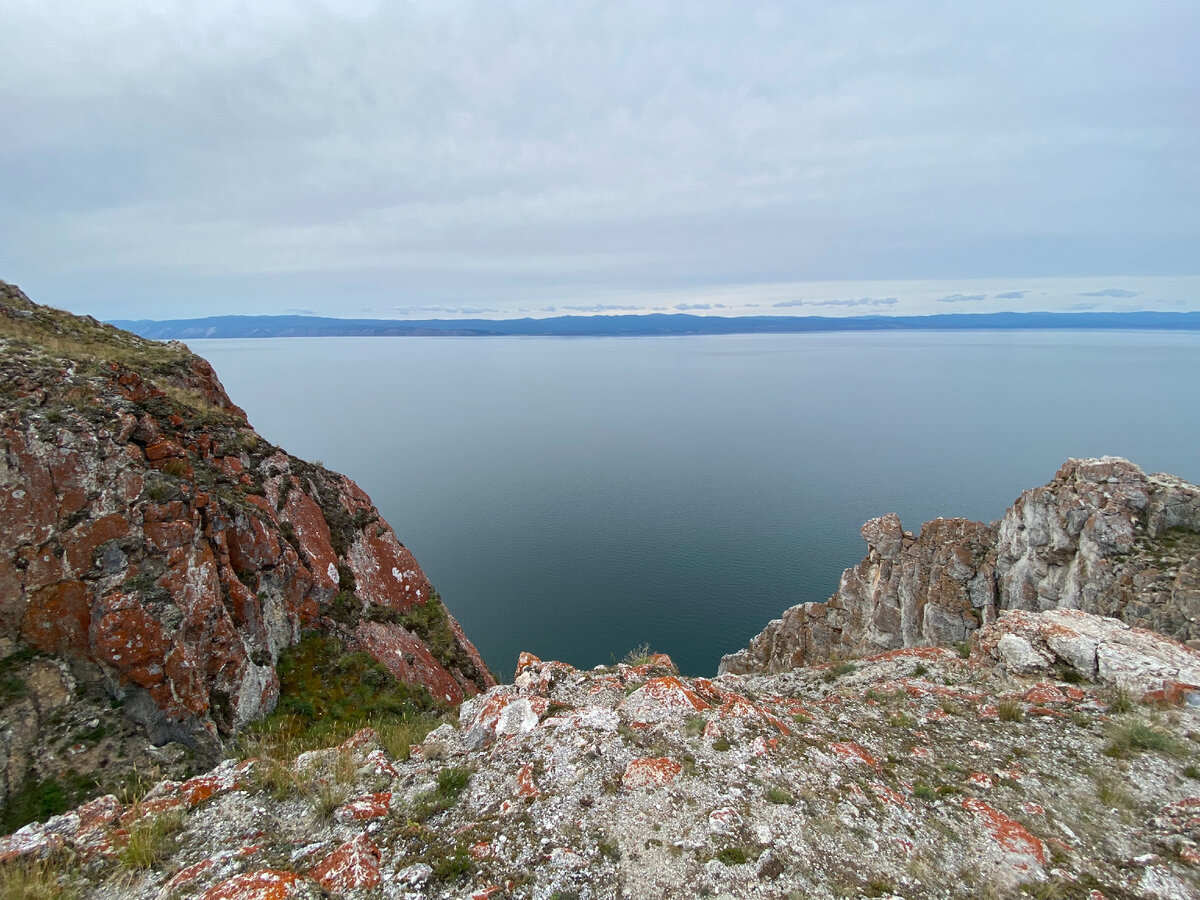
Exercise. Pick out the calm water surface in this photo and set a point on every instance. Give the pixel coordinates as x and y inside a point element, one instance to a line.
<point>577,497</point>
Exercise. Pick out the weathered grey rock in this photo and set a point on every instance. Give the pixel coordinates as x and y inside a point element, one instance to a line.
<point>1103,537</point>
<point>901,779</point>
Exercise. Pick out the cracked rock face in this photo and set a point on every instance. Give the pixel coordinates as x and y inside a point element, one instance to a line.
<point>165,554</point>
<point>1102,537</point>
<point>913,773</point>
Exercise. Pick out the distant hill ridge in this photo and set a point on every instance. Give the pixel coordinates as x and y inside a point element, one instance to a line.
<point>654,324</point>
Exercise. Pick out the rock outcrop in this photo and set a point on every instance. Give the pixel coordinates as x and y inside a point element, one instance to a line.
<point>914,773</point>
<point>1102,537</point>
<point>156,554</point>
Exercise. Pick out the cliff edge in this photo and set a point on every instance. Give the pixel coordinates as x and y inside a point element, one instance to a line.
<point>1103,537</point>
<point>157,556</point>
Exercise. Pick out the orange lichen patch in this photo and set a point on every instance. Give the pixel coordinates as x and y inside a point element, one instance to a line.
<point>525,784</point>
<point>196,790</point>
<point>854,753</point>
<point>1012,836</point>
<point>981,780</point>
<point>372,806</point>
<point>660,698</point>
<point>923,653</point>
<point>1172,693</point>
<point>1044,694</point>
<point>1033,809</point>
<point>481,850</point>
<point>352,866</point>
<point>186,876</point>
<point>889,796</point>
<point>525,660</point>
<point>487,892</point>
<point>265,884</point>
<point>762,746</point>
<point>646,772</point>
<point>98,813</point>
<point>605,683</point>
<point>361,742</point>
<point>919,753</point>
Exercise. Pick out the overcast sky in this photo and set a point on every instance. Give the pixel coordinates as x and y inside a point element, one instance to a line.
<point>165,159</point>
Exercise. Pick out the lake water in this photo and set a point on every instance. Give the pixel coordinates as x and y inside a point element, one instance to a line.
<point>578,497</point>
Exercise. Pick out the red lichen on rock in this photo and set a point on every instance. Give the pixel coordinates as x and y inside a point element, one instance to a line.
<point>646,772</point>
<point>853,752</point>
<point>265,884</point>
<point>1012,837</point>
<point>526,787</point>
<point>352,866</point>
<point>408,658</point>
<point>371,806</point>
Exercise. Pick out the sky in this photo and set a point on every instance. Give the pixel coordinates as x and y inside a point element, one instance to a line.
<point>446,159</point>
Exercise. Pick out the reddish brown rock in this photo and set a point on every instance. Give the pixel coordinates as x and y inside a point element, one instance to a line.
<point>408,659</point>
<point>265,884</point>
<point>352,866</point>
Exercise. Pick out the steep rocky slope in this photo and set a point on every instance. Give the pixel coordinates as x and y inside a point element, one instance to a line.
<point>157,556</point>
<point>914,773</point>
<point>1103,537</point>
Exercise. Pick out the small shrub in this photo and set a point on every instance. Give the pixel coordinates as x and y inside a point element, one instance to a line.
<point>843,668</point>
<point>901,720</point>
<point>694,725</point>
<point>776,794</point>
<point>1131,736</point>
<point>924,792</point>
<point>38,879</point>
<point>609,850</point>
<point>920,671</point>
<point>1070,675</point>
<point>1118,699</point>
<point>733,856</point>
<point>325,796</point>
<point>453,865</point>
<point>1111,792</point>
<point>451,782</point>
<point>1010,711</point>
<point>802,719</point>
<point>1191,772</point>
<point>721,744</point>
<point>147,845</point>
<point>964,649</point>
<point>638,656</point>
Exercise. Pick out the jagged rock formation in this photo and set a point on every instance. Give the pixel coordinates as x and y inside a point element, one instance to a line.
<point>1102,537</point>
<point>914,774</point>
<point>157,554</point>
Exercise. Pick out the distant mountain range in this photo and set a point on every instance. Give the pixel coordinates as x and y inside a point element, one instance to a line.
<point>649,325</point>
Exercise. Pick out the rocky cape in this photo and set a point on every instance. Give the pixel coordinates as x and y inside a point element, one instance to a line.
<point>1102,537</point>
<point>1022,770</point>
<point>157,556</point>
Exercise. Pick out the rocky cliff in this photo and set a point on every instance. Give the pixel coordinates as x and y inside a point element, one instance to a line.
<point>909,774</point>
<point>1103,537</point>
<point>157,556</point>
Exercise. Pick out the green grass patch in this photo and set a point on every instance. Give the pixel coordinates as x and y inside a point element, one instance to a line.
<point>833,674</point>
<point>1129,737</point>
<point>451,783</point>
<point>732,856</point>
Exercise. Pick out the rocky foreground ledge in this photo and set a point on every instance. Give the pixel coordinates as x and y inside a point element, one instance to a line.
<point>1061,759</point>
<point>1103,537</point>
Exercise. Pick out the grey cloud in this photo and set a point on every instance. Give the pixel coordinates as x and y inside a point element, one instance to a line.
<point>1083,307</point>
<point>1013,295</point>
<point>603,307</point>
<point>962,298</point>
<point>334,155</point>
<point>861,301</point>
<point>1115,293</point>
<point>687,306</point>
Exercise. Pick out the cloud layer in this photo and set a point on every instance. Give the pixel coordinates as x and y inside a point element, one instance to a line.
<point>189,158</point>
